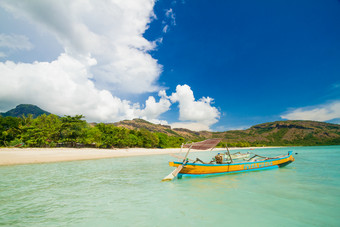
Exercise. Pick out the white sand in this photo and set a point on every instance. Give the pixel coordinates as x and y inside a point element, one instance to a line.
<point>14,156</point>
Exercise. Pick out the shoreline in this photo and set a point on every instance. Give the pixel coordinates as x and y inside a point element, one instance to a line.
<point>17,156</point>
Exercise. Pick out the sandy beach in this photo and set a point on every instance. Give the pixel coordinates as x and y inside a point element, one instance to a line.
<point>15,156</point>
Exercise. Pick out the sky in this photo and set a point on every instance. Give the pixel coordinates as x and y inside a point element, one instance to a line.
<point>217,66</point>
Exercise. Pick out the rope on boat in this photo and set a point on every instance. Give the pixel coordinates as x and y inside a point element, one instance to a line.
<point>199,160</point>
<point>250,159</point>
<point>256,155</point>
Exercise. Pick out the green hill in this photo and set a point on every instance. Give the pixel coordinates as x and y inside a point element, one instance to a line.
<point>25,109</point>
<point>140,123</point>
<point>286,133</point>
<point>279,133</point>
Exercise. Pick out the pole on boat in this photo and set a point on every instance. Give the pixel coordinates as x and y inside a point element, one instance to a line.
<point>180,151</point>
<point>203,145</point>
<point>179,157</point>
<point>174,173</point>
<point>231,160</point>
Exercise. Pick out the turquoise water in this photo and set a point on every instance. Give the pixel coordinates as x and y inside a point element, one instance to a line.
<point>129,192</point>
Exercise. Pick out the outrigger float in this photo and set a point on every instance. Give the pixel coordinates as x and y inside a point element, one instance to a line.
<point>231,163</point>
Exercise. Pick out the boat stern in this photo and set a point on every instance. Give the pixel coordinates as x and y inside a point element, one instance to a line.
<point>171,164</point>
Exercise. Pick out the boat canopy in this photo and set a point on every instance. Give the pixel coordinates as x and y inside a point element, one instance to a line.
<point>203,145</point>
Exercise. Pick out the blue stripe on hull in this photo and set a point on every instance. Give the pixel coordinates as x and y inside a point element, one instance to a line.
<point>181,175</point>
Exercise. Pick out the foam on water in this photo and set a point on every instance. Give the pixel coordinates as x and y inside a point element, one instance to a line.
<point>129,192</point>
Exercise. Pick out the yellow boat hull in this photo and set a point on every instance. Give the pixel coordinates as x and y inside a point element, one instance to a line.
<point>195,169</point>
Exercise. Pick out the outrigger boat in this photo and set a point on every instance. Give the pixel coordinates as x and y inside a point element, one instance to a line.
<point>220,165</point>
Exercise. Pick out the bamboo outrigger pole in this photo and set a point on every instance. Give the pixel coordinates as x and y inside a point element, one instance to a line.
<point>174,173</point>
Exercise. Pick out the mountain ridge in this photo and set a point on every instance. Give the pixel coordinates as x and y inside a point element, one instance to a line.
<point>25,109</point>
<point>278,133</point>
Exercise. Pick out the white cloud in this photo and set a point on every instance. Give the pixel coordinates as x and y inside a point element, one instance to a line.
<point>169,20</point>
<point>62,87</point>
<point>194,126</point>
<point>109,31</point>
<point>191,111</point>
<point>171,15</point>
<point>15,42</point>
<point>166,28</point>
<point>317,113</point>
<point>154,109</point>
<point>224,128</point>
<point>105,55</point>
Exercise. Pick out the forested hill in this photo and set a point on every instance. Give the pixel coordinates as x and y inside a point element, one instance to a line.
<point>279,133</point>
<point>166,129</point>
<point>45,129</point>
<point>25,109</point>
<point>286,133</point>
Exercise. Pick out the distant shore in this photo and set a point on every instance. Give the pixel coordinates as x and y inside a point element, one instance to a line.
<point>16,156</point>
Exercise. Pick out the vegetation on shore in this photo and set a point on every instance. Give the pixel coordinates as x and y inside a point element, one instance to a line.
<point>53,131</point>
<point>33,127</point>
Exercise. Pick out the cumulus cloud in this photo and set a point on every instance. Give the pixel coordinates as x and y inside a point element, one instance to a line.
<point>109,31</point>
<point>62,87</point>
<point>317,113</point>
<point>154,109</point>
<point>105,55</point>
<point>195,115</point>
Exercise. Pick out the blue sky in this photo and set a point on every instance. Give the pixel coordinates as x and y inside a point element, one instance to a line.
<point>218,66</point>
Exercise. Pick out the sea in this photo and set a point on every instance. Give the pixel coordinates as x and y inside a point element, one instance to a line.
<point>128,191</point>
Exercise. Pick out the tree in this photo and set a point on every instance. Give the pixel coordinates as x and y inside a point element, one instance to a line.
<point>91,136</point>
<point>42,131</point>
<point>134,140</point>
<point>49,130</point>
<point>9,129</point>
<point>174,141</point>
<point>71,129</point>
<point>149,139</point>
<point>163,140</point>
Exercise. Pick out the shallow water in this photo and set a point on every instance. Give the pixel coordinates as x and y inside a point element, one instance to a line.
<point>129,192</point>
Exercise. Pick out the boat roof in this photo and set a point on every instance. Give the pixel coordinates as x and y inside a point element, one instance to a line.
<point>203,145</point>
